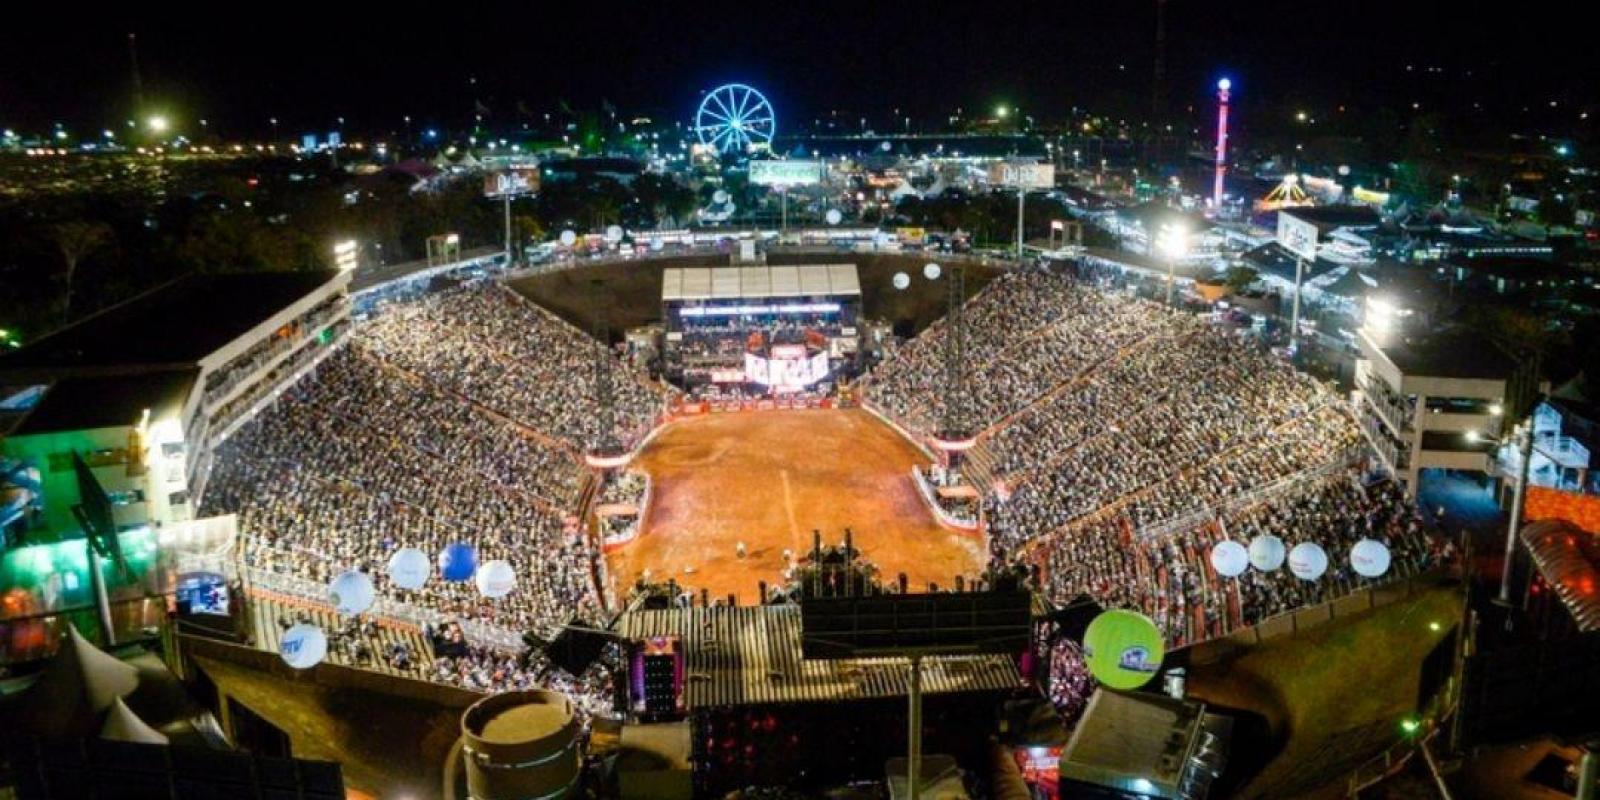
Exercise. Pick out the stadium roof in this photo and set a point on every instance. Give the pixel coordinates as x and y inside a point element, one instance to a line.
<point>177,324</point>
<point>105,401</point>
<point>735,283</point>
<point>750,655</point>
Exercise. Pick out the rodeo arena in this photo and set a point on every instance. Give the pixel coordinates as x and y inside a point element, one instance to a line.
<point>786,531</point>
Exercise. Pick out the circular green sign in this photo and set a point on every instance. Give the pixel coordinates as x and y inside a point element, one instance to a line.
<point>1123,648</point>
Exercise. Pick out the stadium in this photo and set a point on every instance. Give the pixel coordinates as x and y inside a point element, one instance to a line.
<point>637,477</point>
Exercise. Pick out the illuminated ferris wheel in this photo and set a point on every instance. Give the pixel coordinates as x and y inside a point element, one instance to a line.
<point>732,117</point>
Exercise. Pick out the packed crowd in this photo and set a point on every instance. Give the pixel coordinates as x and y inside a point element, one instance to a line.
<point>487,343</point>
<point>442,421</point>
<point>1120,439</point>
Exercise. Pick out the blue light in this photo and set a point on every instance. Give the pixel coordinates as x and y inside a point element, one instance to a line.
<point>433,134</point>
<point>1225,84</point>
<point>733,117</point>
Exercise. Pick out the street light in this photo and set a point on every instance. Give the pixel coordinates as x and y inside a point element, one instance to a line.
<point>1172,241</point>
<point>157,124</point>
<point>346,255</point>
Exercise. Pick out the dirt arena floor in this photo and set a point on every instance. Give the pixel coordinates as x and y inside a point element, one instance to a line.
<point>767,478</point>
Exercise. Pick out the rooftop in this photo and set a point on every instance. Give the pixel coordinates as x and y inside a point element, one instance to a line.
<point>750,655</point>
<point>1452,353</point>
<point>1328,218</point>
<point>174,325</point>
<point>105,401</point>
<point>1568,558</point>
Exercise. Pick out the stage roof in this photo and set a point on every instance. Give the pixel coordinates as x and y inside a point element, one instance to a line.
<point>750,655</point>
<point>735,283</point>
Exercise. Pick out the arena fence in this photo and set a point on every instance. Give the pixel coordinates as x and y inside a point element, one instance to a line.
<point>314,593</point>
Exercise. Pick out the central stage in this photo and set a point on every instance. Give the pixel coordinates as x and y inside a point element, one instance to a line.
<point>767,478</point>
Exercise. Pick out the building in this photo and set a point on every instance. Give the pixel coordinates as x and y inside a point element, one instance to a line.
<point>142,391</point>
<point>1419,396</point>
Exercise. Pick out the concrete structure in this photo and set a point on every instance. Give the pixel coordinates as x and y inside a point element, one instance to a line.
<point>143,390</point>
<point>1418,397</point>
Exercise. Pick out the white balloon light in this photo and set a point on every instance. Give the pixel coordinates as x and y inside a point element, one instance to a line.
<point>1267,552</point>
<point>833,216</point>
<point>303,646</point>
<point>902,281</point>
<point>409,568</point>
<point>614,233</point>
<point>351,592</point>
<point>719,197</point>
<point>568,238</point>
<point>1369,558</point>
<point>1308,561</point>
<point>931,271</point>
<point>1229,559</point>
<point>496,578</point>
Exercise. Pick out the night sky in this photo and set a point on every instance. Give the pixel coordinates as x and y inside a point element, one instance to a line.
<point>861,58</point>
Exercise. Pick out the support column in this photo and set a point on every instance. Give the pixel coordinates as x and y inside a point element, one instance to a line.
<point>1512,527</point>
<point>914,732</point>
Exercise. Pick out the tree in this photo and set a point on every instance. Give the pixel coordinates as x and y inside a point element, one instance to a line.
<point>1239,278</point>
<point>77,240</point>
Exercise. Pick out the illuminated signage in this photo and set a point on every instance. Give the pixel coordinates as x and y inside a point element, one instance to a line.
<point>513,181</point>
<point>795,172</point>
<point>734,311</point>
<point>1297,236</point>
<point>1024,174</point>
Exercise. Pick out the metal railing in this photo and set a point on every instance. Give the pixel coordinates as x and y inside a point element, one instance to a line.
<point>315,593</point>
<point>1257,495</point>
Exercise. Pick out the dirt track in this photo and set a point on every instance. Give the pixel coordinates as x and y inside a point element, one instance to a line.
<point>767,478</point>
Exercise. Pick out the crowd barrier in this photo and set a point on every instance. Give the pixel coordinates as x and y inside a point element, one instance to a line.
<point>778,402</point>
<point>930,497</point>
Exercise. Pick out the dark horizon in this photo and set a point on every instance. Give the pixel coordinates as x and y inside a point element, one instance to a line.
<point>810,59</point>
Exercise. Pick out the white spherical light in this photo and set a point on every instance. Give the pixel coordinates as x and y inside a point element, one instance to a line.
<point>409,568</point>
<point>303,646</point>
<point>568,238</point>
<point>1267,552</point>
<point>931,271</point>
<point>1229,559</point>
<point>1369,558</point>
<point>833,216</point>
<point>1308,561</point>
<point>496,578</point>
<point>351,592</point>
<point>902,280</point>
<point>719,196</point>
<point>614,233</point>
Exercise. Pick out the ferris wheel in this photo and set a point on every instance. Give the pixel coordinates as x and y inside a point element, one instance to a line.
<point>732,117</point>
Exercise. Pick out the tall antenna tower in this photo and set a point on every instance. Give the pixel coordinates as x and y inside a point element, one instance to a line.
<point>138,82</point>
<point>1224,86</point>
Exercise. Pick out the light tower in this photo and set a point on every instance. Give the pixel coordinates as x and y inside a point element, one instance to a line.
<point>953,438</point>
<point>1223,86</point>
<point>606,451</point>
